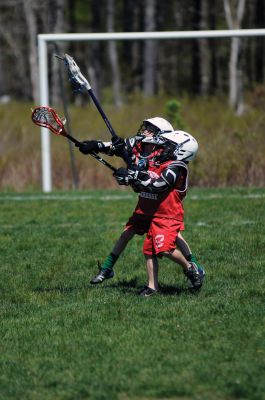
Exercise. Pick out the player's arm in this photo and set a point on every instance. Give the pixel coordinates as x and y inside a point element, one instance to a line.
<point>167,180</point>
<point>95,146</point>
<point>141,180</point>
<point>115,147</point>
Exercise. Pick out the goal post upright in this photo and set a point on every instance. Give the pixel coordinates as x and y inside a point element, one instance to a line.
<point>44,101</point>
<point>44,38</point>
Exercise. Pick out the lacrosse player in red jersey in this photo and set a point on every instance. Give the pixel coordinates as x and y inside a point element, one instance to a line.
<point>160,175</point>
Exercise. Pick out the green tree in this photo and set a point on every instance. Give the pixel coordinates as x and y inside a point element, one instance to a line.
<point>174,115</point>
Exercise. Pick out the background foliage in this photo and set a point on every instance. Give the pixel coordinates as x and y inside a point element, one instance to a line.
<point>134,80</point>
<point>231,148</point>
<point>161,67</point>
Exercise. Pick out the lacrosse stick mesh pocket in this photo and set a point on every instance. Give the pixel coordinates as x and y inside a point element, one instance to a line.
<point>47,118</point>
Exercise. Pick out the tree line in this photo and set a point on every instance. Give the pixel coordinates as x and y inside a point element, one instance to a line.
<point>175,67</point>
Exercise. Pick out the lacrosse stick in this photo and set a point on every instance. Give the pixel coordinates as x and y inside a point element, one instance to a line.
<point>47,117</point>
<point>80,83</point>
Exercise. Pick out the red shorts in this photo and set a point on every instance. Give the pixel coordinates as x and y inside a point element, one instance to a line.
<point>161,236</point>
<point>161,232</point>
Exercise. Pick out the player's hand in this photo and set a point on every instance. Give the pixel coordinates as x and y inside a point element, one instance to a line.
<point>118,146</point>
<point>133,173</point>
<point>136,175</point>
<point>121,176</point>
<point>131,176</point>
<point>91,146</point>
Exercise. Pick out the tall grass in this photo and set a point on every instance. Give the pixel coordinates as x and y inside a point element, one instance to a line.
<point>231,149</point>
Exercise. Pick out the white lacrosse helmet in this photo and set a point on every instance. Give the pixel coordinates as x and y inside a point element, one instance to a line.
<point>160,125</point>
<point>186,146</point>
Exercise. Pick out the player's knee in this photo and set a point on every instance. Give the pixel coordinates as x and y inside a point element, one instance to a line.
<point>165,253</point>
<point>127,234</point>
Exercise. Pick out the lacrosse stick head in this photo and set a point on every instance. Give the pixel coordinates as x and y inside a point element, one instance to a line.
<point>75,76</point>
<point>47,117</point>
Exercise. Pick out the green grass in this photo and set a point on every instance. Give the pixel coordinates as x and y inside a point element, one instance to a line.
<point>63,339</point>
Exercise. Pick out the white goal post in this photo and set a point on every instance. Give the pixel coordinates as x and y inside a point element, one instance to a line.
<point>44,39</point>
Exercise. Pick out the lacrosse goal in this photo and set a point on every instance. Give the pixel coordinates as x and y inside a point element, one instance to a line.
<point>44,39</point>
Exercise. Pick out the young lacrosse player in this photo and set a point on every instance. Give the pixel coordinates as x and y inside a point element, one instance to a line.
<point>160,156</point>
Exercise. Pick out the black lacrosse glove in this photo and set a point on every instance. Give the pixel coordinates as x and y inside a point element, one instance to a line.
<point>138,177</point>
<point>133,173</point>
<point>118,146</point>
<point>121,176</point>
<point>91,146</point>
<point>130,176</point>
<point>126,176</point>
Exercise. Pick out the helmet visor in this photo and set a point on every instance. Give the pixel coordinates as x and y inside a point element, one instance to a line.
<point>147,127</point>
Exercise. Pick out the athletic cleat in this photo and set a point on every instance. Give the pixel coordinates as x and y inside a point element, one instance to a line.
<point>102,275</point>
<point>195,275</point>
<point>147,292</point>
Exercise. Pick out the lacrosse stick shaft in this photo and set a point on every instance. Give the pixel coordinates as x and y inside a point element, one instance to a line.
<point>101,160</point>
<point>76,142</point>
<point>78,79</point>
<point>104,162</point>
<point>124,154</point>
<point>103,115</point>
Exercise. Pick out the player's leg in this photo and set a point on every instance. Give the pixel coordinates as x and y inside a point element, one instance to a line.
<point>151,286</point>
<point>185,249</point>
<point>183,246</point>
<point>152,276</point>
<point>152,271</point>
<point>106,269</point>
<point>136,225</point>
<point>164,232</point>
<point>118,248</point>
<point>177,256</point>
<point>190,269</point>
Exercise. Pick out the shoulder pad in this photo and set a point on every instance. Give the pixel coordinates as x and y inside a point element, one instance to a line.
<point>178,164</point>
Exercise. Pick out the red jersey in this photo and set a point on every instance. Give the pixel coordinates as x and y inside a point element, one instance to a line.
<point>167,204</point>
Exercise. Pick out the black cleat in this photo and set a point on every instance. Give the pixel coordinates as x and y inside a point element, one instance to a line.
<point>147,292</point>
<point>195,275</point>
<point>102,275</point>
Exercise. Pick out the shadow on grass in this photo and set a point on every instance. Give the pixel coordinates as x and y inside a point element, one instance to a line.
<point>127,286</point>
<point>124,286</point>
<point>168,290</point>
<point>132,286</point>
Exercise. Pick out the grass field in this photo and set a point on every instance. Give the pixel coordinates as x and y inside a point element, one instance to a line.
<point>63,339</point>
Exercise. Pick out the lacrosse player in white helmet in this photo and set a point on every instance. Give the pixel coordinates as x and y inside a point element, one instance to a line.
<point>149,127</point>
<point>160,156</point>
<point>161,190</point>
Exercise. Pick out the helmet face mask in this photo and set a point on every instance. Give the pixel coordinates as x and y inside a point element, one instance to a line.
<point>152,128</point>
<point>146,126</point>
<point>178,145</point>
